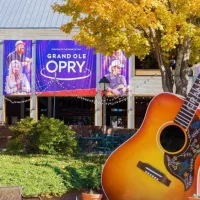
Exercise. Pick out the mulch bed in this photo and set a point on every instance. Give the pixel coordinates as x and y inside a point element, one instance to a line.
<point>69,196</point>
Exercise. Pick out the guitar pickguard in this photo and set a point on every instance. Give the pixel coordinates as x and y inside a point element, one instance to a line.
<point>182,165</point>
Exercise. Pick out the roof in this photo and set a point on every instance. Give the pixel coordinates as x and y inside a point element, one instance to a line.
<point>30,14</point>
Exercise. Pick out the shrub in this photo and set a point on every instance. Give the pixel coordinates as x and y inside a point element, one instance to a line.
<point>47,136</point>
<point>83,176</point>
<point>14,146</point>
<point>20,133</point>
<point>84,172</point>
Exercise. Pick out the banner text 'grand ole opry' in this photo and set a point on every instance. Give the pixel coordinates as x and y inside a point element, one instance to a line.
<point>62,75</point>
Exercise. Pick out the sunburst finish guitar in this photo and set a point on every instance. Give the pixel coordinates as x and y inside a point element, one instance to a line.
<point>161,161</point>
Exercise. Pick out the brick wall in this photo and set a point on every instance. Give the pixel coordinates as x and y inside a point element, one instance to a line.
<point>5,135</point>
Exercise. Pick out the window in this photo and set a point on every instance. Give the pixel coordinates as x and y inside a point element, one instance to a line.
<point>141,105</point>
<point>148,66</point>
<point>116,111</point>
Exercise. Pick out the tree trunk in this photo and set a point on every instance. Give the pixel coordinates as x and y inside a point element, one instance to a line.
<point>166,71</point>
<point>181,81</point>
<point>182,68</point>
<point>167,78</point>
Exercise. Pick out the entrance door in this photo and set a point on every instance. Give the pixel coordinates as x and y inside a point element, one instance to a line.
<point>16,109</point>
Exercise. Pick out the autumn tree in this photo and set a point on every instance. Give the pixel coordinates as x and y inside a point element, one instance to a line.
<point>169,29</point>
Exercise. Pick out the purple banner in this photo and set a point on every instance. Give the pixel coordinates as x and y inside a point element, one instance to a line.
<point>66,67</point>
<point>116,69</point>
<point>17,67</point>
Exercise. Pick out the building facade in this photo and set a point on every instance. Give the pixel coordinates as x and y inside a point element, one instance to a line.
<point>35,21</point>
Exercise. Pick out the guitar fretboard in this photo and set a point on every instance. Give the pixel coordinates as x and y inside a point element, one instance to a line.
<point>190,105</point>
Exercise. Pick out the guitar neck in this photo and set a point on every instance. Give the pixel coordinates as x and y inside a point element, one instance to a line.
<point>190,105</point>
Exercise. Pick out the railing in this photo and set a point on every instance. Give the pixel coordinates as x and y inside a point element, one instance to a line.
<point>102,143</point>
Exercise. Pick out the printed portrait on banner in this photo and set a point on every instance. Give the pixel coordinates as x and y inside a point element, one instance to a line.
<point>17,67</point>
<point>66,67</point>
<point>116,69</point>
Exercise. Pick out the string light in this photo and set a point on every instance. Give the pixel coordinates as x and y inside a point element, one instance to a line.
<point>125,99</point>
<point>31,98</point>
<point>113,100</point>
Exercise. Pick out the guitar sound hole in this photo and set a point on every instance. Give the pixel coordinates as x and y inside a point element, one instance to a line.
<point>172,138</point>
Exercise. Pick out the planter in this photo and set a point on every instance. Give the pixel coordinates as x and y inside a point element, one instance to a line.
<point>86,196</point>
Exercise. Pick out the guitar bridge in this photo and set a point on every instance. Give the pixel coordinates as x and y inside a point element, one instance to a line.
<point>154,173</point>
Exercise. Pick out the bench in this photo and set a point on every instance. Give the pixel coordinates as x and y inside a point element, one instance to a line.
<point>13,193</point>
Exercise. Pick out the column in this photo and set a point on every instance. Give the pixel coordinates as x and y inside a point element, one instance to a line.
<point>33,100</point>
<point>98,110</point>
<point>2,100</point>
<point>131,112</point>
<point>130,99</point>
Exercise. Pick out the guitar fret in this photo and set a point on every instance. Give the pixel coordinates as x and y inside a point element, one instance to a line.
<point>183,118</point>
<point>186,114</point>
<point>197,80</point>
<point>190,107</point>
<point>187,111</point>
<point>192,99</point>
<point>194,89</point>
<point>184,126</point>
<point>197,84</point>
<point>180,120</point>
<point>195,96</point>
<point>192,103</point>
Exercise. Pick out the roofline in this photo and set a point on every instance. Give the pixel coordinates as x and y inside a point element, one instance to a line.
<point>50,28</point>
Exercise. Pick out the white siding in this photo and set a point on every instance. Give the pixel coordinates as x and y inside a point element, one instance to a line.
<point>150,85</point>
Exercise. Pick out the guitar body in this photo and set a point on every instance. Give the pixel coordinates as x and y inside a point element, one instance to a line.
<point>124,176</point>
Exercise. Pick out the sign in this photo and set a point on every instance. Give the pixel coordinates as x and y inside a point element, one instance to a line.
<point>17,67</point>
<point>116,69</point>
<point>66,67</point>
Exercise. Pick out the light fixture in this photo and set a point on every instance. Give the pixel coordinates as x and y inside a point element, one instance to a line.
<point>104,84</point>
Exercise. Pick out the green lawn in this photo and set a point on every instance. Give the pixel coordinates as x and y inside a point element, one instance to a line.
<point>49,175</point>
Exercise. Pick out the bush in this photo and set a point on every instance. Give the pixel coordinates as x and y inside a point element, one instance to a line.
<point>85,176</point>
<point>20,133</point>
<point>47,136</point>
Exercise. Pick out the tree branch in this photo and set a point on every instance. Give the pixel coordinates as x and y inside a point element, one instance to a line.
<point>171,7</point>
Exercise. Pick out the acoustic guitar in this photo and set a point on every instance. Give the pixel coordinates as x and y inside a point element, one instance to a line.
<point>161,161</point>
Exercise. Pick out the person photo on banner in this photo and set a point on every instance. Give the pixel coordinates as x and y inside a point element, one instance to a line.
<point>117,55</point>
<point>118,84</point>
<point>16,81</point>
<point>18,54</point>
